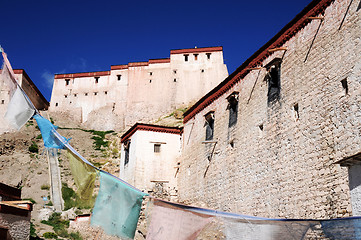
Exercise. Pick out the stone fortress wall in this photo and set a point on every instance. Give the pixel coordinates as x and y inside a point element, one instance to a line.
<point>278,158</point>
<point>138,91</point>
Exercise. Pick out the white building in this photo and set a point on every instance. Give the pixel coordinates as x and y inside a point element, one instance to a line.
<point>138,91</point>
<point>149,155</point>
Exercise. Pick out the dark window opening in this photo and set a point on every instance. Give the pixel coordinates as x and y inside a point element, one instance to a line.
<point>86,94</point>
<point>67,81</point>
<point>175,71</point>
<point>75,95</point>
<point>273,79</point>
<point>157,147</point>
<point>186,57</point>
<point>208,55</point>
<point>150,81</point>
<point>66,96</point>
<point>209,124</point>
<point>202,70</point>
<point>232,143</point>
<point>297,114</point>
<point>2,101</point>
<point>261,127</point>
<point>119,77</point>
<point>174,80</point>
<point>195,57</point>
<point>150,73</point>
<point>126,151</point>
<point>96,79</point>
<point>345,85</point>
<point>106,92</point>
<point>56,104</point>
<point>233,109</point>
<point>95,93</point>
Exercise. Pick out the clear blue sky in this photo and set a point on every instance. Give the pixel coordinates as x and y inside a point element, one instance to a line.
<point>52,36</point>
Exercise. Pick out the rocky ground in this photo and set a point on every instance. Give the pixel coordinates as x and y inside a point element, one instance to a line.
<point>23,164</point>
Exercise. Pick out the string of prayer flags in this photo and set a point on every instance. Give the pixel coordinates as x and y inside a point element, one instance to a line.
<point>249,229</point>
<point>19,110</point>
<point>117,207</point>
<point>169,222</point>
<point>47,132</point>
<point>84,176</point>
<point>342,228</point>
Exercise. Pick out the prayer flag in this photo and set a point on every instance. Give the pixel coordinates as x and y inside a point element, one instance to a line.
<point>117,207</point>
<point>47,132</point>
<point>19,110</point>
<point>169,222</point>
<point>84,176</point>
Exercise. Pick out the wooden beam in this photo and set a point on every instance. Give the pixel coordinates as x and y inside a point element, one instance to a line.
<point>320,18</point>
<point>277,49</point>
<point>255,68</point>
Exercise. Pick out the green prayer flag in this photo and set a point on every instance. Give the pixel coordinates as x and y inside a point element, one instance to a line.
<point>84,176</point>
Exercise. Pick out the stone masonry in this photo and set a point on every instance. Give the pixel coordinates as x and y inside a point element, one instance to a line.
<point>278,159</point>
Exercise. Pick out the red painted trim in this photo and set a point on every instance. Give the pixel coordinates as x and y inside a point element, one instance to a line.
<point>137,64</point>
<point>85,74</point>
<point>196,50</point>
<point>315,8</point>
<point>9,192</point>
<point>149,127</point>
<point>13,210</point>
<point>159,60</point>
<point>118,67</point>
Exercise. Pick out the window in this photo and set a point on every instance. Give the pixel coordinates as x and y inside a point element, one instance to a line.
<point>273,79</point>
<point>150,73</point>
<point>86,94</point>
<point>56,104</point>
<point>96,79</point>
<point>209,124</point>
<point>106,92</point>
<point>150,81</point>
<point>195,57</point>
<point>174,80</point>
<point>126,151</point>
<point>75,95</point>
<point>2,101</point>
<point>186,57</point>
<point>345,85</point>
<point>296,110</point>
<point>233,108</point>
<point>157,147</point>
<point>208,55</point>
<point>95,93</point>
<point>66,96</point>
<point>202,70</point>
<point>119,77</point>
<point>175,71</point>
<point>67,81</point>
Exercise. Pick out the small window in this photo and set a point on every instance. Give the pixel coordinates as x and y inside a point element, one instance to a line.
<point>150,73</point>
<point>273,79</point>
<point>75,95</point>
<point>86,94</point>
<point>157,147</point>
<point>174,80</point>
<point>186,57</point>
<point>209,124</point>
<point>296,111</point>
<point>233,108</point>
<point>96,79</point>
<point>66,96</point>
<point>175,71</point>
<point>208,55</point>
<point>106,92</point>
<point>119,77</point>
<point>2,101</point>
<point>195,57</point>
<point>95,93</point>
<point>345,85</point>
<point>202,70</point>
<point>126,151</point>
<point>67,81</point>
<point>150,81</point>
<point>56,104</point>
